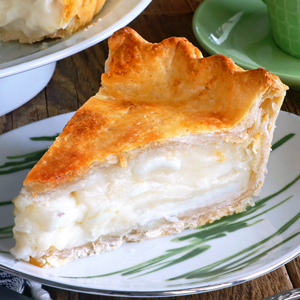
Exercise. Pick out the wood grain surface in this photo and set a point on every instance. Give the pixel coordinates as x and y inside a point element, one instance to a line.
<point>77,78</point>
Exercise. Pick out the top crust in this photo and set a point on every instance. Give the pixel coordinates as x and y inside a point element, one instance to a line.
<point>152,92</point>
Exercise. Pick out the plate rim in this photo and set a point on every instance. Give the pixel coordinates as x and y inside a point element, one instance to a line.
<point>155,294</point>
<point>138,7</point>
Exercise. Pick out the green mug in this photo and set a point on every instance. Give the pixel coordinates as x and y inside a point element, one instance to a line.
<point>284,18</point>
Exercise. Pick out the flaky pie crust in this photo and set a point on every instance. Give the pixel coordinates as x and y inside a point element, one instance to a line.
<point>150,93</point>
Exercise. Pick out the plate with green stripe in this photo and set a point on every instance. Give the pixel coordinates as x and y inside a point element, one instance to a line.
<point>227,252</point>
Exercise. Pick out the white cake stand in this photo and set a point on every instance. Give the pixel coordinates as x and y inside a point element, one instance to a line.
<point>26,69</point>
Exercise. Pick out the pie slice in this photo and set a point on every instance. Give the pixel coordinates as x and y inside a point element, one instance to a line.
<point>171,141</point>
<point>29,21</point>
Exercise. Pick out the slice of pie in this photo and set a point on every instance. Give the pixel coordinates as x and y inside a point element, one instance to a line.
<point>171,141</point>
<point>29,21</point>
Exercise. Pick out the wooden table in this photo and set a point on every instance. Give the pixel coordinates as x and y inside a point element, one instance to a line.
<point>76,78</point>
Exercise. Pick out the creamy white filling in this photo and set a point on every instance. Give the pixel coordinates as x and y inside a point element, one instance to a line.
<point>159,183</point>
<point>32,17</point>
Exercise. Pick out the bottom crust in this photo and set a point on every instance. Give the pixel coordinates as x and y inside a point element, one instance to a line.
<point>209,214</point>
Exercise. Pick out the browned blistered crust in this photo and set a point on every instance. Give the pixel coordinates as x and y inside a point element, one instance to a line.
<point>77,13</point>
<point>152,92</point>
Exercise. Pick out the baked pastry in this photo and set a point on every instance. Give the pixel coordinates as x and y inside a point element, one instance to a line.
<point>171,141</point>
<point>30,21</point>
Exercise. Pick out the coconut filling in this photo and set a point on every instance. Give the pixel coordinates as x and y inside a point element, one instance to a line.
<point>158,184</point>
<point>34,18</point>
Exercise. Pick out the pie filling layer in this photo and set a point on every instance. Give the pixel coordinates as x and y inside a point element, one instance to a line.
<point>38,17</point>
<point>159,183</point>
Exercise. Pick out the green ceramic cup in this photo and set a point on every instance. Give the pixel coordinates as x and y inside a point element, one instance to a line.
<point>284,18</point>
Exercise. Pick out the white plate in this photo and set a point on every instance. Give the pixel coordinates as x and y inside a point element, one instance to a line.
<point>16,57</point>
<point>228,252</point>
<point>17,89</point>
<point>23,64</point>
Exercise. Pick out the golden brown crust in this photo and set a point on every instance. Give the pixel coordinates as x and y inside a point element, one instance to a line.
<point>80,12</point>
<point>75,13</point>
<point>150,93</point>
